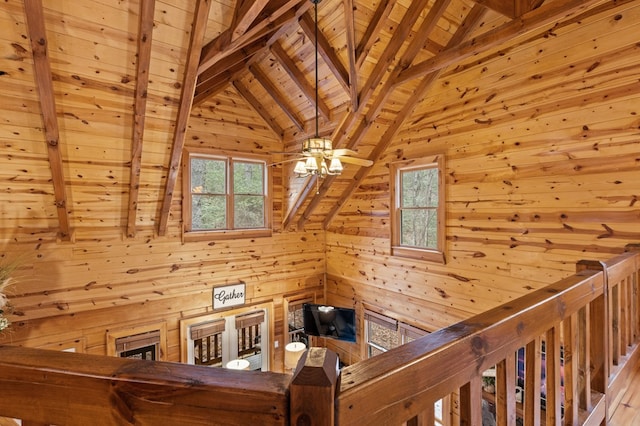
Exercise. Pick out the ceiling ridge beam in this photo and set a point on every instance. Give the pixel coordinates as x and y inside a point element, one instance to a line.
<point>531,21</point>
<point>44,81</point>
<point>471,21</point>
<point>201,15</point>
<point>147,8</point>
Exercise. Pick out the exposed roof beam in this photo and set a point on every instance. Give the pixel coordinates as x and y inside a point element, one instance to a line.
<point>371,34</point>
<point>221,74</point>
<point>42,68</point>
<point>276,95</point>
<point>299,79</point>
<point>200,18</point>
<point>244,15</point>
<point>351,52</point>
<point>326,51</point>
<point>147,8</point>
<point>257,106</point>
<point>471,21</point>
<point>544,15</point>
<point>511,8</point>
<point>223,45</point>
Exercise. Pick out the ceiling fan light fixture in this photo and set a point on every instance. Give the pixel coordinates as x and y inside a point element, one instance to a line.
<point>316,145</point>
<point>335,167</point>
<point>300,169</point>
<point>311,165</point>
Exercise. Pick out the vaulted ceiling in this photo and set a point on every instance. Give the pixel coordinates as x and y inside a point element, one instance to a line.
<point>130,78</point>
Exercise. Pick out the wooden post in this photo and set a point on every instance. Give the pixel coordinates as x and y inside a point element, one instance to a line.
<point>313,389</point>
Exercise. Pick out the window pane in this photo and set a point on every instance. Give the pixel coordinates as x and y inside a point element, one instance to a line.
<point>419,228</point>
<point>248,211</point>
<point>419,188</point>
<point>248,178</point>
<point>208,176</point>
<point>382,336</point>
<point>208,212</point>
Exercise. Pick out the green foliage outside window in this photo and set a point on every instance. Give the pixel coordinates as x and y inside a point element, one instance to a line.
<point>209,195</point>
<point>419,208</point>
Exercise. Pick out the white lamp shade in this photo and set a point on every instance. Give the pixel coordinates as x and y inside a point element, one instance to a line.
<point>238,364</point>
<point>292,353</point>
<point>311,164</point>
<point>300,168</point>
<point>335,166</point>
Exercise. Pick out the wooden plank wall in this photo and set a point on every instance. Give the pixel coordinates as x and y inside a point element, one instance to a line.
<point>541,144</point>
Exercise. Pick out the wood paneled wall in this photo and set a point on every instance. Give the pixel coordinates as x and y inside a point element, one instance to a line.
<point>542,169</point>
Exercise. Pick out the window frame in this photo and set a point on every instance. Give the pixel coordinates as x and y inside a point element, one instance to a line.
<point>230,159</point>
<point>397,249</point>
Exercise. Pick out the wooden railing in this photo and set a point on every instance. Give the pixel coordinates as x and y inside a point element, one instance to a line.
<point>570,344</point>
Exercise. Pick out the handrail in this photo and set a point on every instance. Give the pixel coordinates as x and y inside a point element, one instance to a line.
<point>588,325</point>
<point>400,384</point>
<point>62,388</point>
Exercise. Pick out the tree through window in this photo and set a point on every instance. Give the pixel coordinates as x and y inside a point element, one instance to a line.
<point>418,209</point>
<point>225,194</point>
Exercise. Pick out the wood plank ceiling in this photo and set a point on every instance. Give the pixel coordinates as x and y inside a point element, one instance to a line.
<point>378,60</point>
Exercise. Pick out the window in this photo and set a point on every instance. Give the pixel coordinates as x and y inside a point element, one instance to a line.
<point>225,196</point>
<point>207,342</point>
<point>139,346</point>
<point>295,320</point>
<point>417,213</point>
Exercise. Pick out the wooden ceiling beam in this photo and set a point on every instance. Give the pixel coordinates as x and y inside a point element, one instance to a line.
<point>145,31</point>
<point>474,18</point>
<point>245,13</point>
<point>201,15</point>
<point>257,106</point>
<point>511,8</point>
<point>213,86</point>
<point>544,15</point>
<point>241,56</point>
<point>299,79</point>
<point>351,51</point>
<point>223,46</point>
<point>373,29</point>
<point>44,82</point>
<point>277,96</point>
<point>428,25</point>
<point>326,51</point>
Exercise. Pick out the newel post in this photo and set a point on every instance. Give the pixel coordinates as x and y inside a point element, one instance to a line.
<point>313,388</point>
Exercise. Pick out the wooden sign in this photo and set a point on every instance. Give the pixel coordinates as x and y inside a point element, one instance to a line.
<point>229,295</point>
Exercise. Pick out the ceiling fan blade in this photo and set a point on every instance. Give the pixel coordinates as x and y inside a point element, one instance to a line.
<point>285,153</point>
<point>358,161</point>
<point>290,160</point>
<point>343,151</point>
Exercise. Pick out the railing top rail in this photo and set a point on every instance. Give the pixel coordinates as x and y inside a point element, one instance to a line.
<point>407,378</point>
<point>71,388</point>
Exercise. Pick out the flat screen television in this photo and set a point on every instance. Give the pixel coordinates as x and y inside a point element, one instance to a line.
<point>329,321</point>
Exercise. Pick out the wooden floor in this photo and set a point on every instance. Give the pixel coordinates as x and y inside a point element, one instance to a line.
<point>628,411</point>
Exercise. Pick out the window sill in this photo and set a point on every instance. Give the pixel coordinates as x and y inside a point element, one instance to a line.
<point>419,254</point>
<point>193,236</point>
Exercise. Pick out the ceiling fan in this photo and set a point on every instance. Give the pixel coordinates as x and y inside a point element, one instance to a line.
<point>317,151</point>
